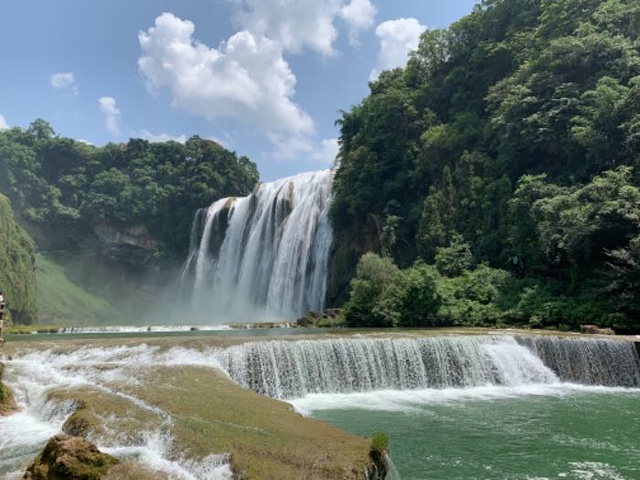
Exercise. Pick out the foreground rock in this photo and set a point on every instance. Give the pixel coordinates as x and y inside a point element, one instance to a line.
<point>7,404</point>
<point>70,458</point>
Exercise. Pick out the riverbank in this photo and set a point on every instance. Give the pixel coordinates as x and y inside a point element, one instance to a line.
<point>160,398</point>
<point>149,402</point>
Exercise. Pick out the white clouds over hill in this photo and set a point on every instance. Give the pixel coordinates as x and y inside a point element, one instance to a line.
<point>245,77</point>
<point>397,38</point>
<point>300,24</point>
<point>109,108</point>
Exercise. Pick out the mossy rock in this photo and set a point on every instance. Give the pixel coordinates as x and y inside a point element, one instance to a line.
<point>7,404</point>
<point>70,458</point>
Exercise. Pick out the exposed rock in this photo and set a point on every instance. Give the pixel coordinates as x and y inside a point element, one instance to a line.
<point>136,236</point>
<point>7,404</point>
<point>595,330</point>
<point>327,319</point>
<point>70,458</point>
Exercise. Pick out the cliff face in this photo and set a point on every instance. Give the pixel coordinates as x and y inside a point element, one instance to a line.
<point>123,265</point>
<point>348,247</point>
<point>17,267</point>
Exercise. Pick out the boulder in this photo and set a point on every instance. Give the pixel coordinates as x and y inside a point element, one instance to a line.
<point>70,458</point>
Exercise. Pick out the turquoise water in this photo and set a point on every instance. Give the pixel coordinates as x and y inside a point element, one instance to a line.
<point>589,434</point>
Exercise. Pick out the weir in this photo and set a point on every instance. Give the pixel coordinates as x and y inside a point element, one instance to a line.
<point>265,254</point>
<point>292,369</point>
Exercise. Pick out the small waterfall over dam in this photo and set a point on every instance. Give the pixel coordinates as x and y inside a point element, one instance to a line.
<point>265,254</point>
<point>291,369</point>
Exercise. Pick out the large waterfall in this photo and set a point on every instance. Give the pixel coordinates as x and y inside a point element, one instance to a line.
<point>265,254</point>
<point>290,369</point>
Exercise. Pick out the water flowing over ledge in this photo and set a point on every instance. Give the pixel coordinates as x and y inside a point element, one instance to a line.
<point>266,253</point>
<point>370,373</point>
<point>294,369</point>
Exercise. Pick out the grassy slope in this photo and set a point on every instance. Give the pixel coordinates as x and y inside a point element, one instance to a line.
<point>61,302</point>
<point>17,276</point>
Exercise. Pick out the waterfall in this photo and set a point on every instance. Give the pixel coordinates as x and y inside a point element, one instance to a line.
<point>291,369</point>
<point>266,253</point>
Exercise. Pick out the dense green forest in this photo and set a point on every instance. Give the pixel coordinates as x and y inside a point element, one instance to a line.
<point>17,267</point>
<point>116,218</point>
<point>501,170</point>
<point>66,187</point>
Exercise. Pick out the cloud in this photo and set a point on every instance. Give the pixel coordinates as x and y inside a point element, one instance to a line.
<point>300,24</point>
<point>359,15</point>
<point>62,81</point>
<point>3,123</point>
<point>111,112</point>
<point>162,137</point>
<point>246,77</point>
<point>327,152</point>
<point>397,38</point>
<point>292,148</point>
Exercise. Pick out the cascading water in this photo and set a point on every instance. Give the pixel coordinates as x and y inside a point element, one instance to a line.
<point>34,376</point>
<point>291,369</point>
<point>373,373</point>
<point>263,254</point>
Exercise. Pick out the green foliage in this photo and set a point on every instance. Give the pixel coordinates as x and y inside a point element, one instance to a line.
<point>380,442</point>
<point>516,133</point>
<point>384,296</point>
<point>60,302</point>
<point>374,275</point>
<point>17,267</point>
<point>66,187</point>
<point>455,259</point>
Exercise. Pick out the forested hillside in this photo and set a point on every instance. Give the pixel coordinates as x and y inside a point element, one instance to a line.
<point>17,267</point>
<point>117,218</point>
<point>505,160</point>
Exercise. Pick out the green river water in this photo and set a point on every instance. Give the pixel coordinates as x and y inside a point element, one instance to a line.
<point>584,435</point>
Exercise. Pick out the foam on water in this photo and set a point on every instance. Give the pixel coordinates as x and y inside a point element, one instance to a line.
<point>414,400</point>
<point>33,375</point>
<point>293,369</point>
<point>387,374</point>
<point>156,452</point>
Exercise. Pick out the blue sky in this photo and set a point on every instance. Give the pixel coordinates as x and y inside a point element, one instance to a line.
<point>265,78</point>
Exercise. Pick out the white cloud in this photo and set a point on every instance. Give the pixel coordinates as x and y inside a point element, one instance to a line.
<point>161,137</point>
<point>397,38</point>
<point>359,15</point>
<point>246,77</point>
<point>292,148</point>
<point>64,80</point>
<point>300,24</point>
<point>111,112</point>
<point>327,152</point>
<point>3,123</point>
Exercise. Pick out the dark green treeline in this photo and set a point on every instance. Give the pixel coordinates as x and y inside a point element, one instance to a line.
<point>117,217</point>
<point>505,160</point>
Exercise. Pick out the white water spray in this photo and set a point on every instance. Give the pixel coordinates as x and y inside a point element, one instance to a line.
<point>265,254</point>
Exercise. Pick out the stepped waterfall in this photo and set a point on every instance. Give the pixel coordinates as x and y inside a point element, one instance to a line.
<point>264,255</point>
<point>292,369</point>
